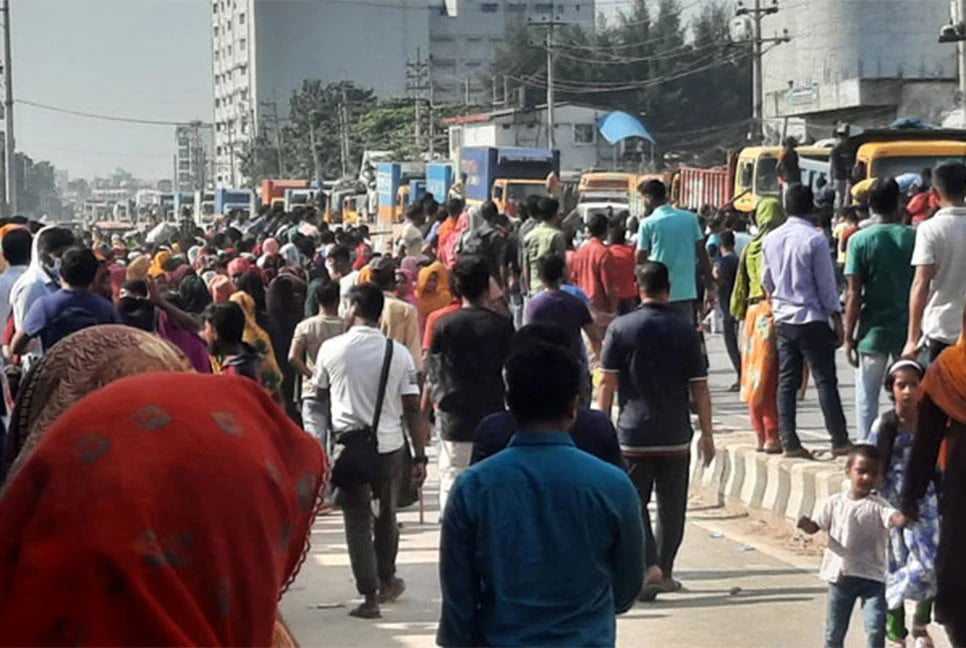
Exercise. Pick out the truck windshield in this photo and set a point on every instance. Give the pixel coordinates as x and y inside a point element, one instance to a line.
<point>767,176</point>
<point>895,166</point>
<point>519,192</point>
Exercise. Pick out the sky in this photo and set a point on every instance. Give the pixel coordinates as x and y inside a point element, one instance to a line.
<point>148,59</point>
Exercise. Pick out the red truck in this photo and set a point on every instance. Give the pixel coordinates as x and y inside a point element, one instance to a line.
<point>274,190</point>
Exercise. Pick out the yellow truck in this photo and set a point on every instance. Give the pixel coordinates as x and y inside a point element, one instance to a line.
<point>756,173</point>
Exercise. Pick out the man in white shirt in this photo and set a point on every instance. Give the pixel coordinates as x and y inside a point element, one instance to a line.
<point>411,242</point>
<point>936,298</point>
<point>42,277</point>
<point>338,263</point>
<point>16,250</point>
<point>349,367</point>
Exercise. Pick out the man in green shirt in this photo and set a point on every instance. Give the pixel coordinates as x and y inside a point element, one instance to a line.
<point>879,273</point>
<point>545,238</point>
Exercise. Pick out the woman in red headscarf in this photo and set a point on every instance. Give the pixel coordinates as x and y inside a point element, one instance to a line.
<point>163,509</point>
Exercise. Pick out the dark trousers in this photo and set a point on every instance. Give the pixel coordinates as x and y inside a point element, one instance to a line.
<point>842,596</point>
<point>731,339</point>
<point>813,343</point>
<point>625,306</point>
<point>668,476</point>
<point>688,309</point>
<point>373,546</point>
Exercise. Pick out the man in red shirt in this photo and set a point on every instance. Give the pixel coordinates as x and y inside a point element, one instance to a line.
<point>593,272</point>
<point>624,258</point>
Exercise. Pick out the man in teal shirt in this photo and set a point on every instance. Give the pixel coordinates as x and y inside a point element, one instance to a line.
<point>673,237</point>
<point>879,272</point>
<point>542,544</point>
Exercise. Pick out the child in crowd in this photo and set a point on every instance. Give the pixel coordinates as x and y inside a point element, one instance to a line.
<point>912,556</point>
<point>857,522</point>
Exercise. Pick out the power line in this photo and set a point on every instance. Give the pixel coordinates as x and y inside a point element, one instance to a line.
<point>112,118</point>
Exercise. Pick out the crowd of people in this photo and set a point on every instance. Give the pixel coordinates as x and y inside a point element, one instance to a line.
<point>316,364</point>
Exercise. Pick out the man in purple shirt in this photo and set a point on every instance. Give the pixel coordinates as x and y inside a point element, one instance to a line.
<point>800,281</point>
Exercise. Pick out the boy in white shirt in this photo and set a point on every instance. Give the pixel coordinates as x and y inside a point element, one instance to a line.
<point>857,522</point>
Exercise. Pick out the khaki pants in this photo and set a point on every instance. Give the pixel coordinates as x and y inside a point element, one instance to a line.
<point>454,458</point>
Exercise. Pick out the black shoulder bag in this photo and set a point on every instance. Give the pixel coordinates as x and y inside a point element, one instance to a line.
<point>356,464</point>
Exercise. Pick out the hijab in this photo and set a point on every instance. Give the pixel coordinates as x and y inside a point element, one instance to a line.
<point>221,288</point>
<point>427,302</point>
<point>157,263</point>
<point>269,374</point>
<point>76,366</point>
<point>104,524</point>
<point>139,267</point>
<point>291,255</point>
<point>194,294</point>
<point>769,216</point>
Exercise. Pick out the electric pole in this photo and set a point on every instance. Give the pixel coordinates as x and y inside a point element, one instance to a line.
<point>418,81</point>
<point>277,128</point>
<point>316,163</point>
<point>10,180</point>
<point>550,21</point>
<point>757,14</point>
<point>955,32</point>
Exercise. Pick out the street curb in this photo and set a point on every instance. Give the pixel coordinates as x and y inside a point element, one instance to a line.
<point>783,488</point>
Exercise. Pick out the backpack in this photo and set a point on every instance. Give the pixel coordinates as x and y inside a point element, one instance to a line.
<point>486,242</point>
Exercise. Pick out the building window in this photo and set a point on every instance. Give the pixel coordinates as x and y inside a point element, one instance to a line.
<point>217,102</point>
<point>242,43</point>
<point>214,7</point>
<point>543,7</point>
<point>489,7</point>
<point>241,19</point>
<point>585,134</point>
<point>216,31</point>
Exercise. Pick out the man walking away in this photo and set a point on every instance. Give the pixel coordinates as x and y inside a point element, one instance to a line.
<point>490,242</point>
<point>72,308</point>
<point>652,359</point>
<point>541,544</point>
<point>673,237</point>
<point>595,273</point>
<point>624,259</point>
<point>16,251</point>
<point>400,319</point>
<point>798,275</point>
<point>411,242</point>
<point>936,299</point>
<point>789,171</point>
<point>308,338</point>
<point>879,274</point>
<point>725,272</point>
<point>465,369</point>
<point>544,238</point>
<point>348,369</point>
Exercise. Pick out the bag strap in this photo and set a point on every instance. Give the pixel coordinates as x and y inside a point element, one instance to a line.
<point>381,395</point>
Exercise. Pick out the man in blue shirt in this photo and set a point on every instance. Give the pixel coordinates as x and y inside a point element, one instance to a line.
<point>541,544</point>
<point>72,308</point>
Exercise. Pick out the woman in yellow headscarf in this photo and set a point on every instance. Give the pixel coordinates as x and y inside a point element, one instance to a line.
<point>157,263</point>
<point>432,291</point>
<point>759,344</point>
<point>269,375</point>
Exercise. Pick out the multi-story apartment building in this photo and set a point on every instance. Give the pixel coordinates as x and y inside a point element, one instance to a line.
<point>193,157</point>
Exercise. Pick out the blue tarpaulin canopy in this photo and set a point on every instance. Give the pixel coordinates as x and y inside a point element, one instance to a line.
<point>617,126</point>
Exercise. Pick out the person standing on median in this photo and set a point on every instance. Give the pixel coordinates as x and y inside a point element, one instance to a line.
<point>652,359</point>
<point>799,278</point>
<point>879,276</point>
<point>541,544</point>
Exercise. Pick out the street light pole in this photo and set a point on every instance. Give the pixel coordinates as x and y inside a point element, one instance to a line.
<point>9,149</point>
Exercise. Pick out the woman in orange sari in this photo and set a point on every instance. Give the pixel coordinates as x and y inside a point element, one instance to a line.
<point>759,342</point>
<point>432,291</point>
<point>128,526</point>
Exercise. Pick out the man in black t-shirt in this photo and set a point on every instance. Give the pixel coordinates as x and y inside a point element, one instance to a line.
<point>725,271</point>
<point>653,357</point>
<point>465,369</point>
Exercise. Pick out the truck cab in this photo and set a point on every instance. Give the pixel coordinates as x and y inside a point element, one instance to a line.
<point>756,173</point>
<point>510,194</point>
<point>892,159</point>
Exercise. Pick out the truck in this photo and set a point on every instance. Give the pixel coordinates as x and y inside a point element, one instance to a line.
<point>506,175</point>
<point>392,188</point>
<point>692,187</point>
<point>227,200</point>
<point>439,179</point>
<point>273,190</point>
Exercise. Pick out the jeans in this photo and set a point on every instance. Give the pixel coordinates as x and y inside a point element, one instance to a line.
<point>841,600</point>
<point>667,475</point>
<point>517,309</point>
<point>813,343</point>
<point>869,381</point>
<point>315,420</point>
<point>454,458</point>
<point>730,326</point>
<point>841,193</point>
<point>373,536</point>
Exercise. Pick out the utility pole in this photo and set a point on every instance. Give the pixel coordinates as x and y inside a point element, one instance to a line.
<point>418,81</point>
<point>344,134</point>
<point>231,150</point>
<point>955,32</point>
<point>10,180</point>
<point>316,163</point>
<point>757,13</point>
<point>431,105</point>
<point>550,22</point>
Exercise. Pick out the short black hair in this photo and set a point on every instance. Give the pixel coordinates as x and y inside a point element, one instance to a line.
<point>368,301</point>
<point>542,382</point>
<point>949,178</point>
<point>884,196</point>
<point>454,206</point>
<point>866,451</point>
<point>328,294</point>
<point>726,239</point>
<point>656,189</point>
<point>799,200</point>
<point>78,267</point>
<point>617,228</point>
<point>597,226</point>
<point>489,211</point>
<point>339,253</point>
<point>54,239</point>
<point>547,208</point>
<point>414,211</point>
<point>653,278</point>
<point>551,268</point>
<point>471,276</point>
<point>228,320</point>
<point>16,247</point>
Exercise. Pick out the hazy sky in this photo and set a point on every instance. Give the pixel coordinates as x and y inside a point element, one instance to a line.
<point>132,58</point>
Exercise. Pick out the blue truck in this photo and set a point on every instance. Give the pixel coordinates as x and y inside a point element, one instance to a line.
<point>506,175</point>
<point>229,199</point>
<point>439,179</point>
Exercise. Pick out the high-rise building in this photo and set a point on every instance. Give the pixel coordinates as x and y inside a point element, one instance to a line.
<point>193,160</point>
